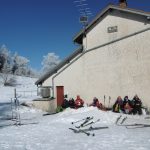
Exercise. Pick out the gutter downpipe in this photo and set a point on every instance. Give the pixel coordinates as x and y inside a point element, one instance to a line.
<point>94,48</point>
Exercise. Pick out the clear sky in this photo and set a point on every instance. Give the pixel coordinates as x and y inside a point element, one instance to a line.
<point>34,28</point>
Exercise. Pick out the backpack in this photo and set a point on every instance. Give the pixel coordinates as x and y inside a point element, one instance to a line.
<point>65,104</point>
<point>117,108</point>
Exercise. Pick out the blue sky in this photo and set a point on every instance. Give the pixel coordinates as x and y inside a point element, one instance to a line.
<point>34,28</point>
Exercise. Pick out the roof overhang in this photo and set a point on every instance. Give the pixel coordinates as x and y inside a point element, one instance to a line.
<point>59,66</point>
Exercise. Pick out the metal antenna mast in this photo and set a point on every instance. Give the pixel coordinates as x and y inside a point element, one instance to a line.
<point>85,13</point>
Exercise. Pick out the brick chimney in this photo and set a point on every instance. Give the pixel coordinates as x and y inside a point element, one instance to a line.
<point>123,3</point>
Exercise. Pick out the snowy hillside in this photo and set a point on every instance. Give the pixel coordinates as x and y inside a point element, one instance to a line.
<point>51,132</point>
<point>25,87</point>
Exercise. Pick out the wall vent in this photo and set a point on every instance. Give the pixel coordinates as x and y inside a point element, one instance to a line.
<point>112,29</point>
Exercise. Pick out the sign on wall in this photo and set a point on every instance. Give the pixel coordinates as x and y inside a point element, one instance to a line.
<point>112,29</point>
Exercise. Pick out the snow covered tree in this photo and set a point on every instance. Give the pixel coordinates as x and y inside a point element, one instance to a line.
<point>2,61</point>
<point>20,65</point>
<point>5,66</point>
<point>50,61</point>
<point>33,73</point>
<point>5,59</point>
<point>7,79</point>
<point>14,64</point>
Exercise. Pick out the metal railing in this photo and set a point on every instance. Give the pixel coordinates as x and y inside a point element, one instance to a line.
<point>24,94</point>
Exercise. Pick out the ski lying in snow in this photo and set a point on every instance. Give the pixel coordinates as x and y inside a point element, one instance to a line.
<point>86,121</point>
<point>89,129</point>
<point>148,117</point>
<point>80,131</point>
<point>9,118</point>
<point>96,128</point>
<point>90,123</point>
<point>17,124</point>
<point>134,126</point>
<point>87,118</point>
<point>22,124</point>
<point>49,114</point>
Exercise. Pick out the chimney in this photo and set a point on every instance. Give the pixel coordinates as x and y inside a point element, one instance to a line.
<point>123,3</point>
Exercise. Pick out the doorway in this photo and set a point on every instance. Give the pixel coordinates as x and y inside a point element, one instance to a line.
<point>60,95</point>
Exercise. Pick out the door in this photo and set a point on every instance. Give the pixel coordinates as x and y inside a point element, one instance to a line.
<point>60,95</point>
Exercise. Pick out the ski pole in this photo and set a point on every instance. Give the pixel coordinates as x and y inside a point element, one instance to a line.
<point>104,100</point>
<point>118,119</point>
<point>91,123</point>
<point>109,102</point>
<point>86,121</point>
<point>80,120</point>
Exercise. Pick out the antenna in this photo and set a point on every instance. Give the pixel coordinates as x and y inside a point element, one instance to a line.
<point>84,11</point>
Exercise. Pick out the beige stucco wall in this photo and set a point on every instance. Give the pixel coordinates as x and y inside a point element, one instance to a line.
<point>61,79</point>
<point>126,23</point>
<point>45,105</point>
<point>121,68</point>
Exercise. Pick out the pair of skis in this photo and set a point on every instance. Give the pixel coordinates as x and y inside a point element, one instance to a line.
<point>87,122</point>
<point>129,126</point>
<point>136,125</point>
<point>84,124</point>
<point>88,129</point>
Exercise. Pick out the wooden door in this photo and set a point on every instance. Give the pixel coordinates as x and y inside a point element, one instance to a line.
<point>60,95</point>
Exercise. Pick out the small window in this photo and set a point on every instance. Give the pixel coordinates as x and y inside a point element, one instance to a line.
<point>112,29</point>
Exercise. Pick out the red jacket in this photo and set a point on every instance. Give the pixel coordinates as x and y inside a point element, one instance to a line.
<point>79,102</point>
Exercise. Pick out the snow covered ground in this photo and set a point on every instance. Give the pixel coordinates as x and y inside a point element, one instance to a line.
<point>25,87</point>
<point>51,132</point>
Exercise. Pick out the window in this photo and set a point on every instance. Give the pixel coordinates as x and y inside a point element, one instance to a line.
<point>112,29</point>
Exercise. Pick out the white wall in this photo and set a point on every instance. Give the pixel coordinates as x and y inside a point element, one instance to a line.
<point>126,24</point>
<point>45,105</point>
<point>121,68</point>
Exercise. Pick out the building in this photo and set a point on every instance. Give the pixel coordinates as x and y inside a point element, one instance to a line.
<point>113,59</point>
